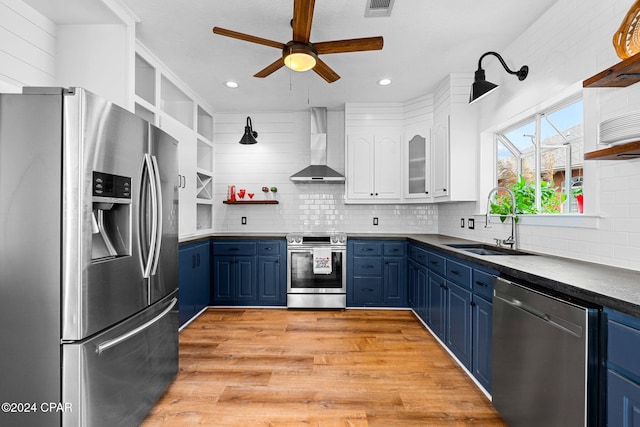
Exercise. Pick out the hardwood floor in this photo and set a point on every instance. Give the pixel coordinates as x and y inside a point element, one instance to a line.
<point>276,367</point>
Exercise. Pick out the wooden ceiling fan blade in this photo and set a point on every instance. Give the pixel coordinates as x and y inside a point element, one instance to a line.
<point>324,71</point>
<point>271,68</point>
<point>350,45</point>
<point>302,19</point>
<point>247,37</point>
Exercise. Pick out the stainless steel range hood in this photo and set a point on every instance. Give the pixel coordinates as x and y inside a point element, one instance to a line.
<point>318,171</point>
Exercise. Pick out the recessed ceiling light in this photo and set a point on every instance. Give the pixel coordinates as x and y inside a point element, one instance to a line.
<point>231,84</point>
<point>384,82</point>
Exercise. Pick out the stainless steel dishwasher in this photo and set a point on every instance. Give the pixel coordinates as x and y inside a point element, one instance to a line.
<point>544,369</point>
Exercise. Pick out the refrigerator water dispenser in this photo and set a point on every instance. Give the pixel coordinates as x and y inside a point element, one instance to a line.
<point>111,216</point>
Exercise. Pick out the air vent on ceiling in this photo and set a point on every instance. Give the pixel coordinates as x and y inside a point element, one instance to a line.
<point>378,8</point>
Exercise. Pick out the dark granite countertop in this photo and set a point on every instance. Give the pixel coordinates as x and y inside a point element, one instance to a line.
<point>598,284</point>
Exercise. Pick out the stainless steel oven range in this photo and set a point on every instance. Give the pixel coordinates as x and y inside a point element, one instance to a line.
<point>317,270</point>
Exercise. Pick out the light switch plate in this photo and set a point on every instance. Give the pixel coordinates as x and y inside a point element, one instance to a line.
<point>244,220</point>
<point>471,223</point>
<point>461,222</point>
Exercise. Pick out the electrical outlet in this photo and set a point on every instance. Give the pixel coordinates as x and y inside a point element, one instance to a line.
<point>471,223</point>
<point>461,222</point>
<point>375,220</point>
<point>244,220</point>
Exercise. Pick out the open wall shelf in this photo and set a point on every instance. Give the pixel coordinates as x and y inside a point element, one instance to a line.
<point>622,74</point>
<point>617,152</point>
<point>250,202</point>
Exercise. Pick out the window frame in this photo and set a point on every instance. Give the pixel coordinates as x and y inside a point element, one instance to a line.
<point>536,118</point>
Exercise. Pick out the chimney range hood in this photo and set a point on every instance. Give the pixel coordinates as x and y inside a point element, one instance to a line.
<point>318,171</point>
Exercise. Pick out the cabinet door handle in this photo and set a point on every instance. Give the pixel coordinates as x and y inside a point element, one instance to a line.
<point>198,264</point>
<point>479,283</point>
<point>367,289</point>
<point>367,249</point>
<point>435,263</point>
<point>367,266</point>
<point>456,272</point>
<point>234,249</point>
<point>473,304</point>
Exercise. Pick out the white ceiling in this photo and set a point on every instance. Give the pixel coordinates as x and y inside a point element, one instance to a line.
<point>424,40</point>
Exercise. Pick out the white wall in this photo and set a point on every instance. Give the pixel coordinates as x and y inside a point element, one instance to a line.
<point>568,44</point>
<point>27,47</point>
<point>282,150</point>
<point>35,51</point>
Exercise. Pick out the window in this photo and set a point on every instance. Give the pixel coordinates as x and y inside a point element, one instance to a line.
<point>541,160</point>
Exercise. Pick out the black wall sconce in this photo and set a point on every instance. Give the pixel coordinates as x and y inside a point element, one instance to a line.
<point>250,135</point>
<point>481,87</point>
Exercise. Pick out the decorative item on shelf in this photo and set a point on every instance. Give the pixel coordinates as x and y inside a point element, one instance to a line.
<point>274,190</point>
<point>626,40</point>
<point>231,192</point>
<point>250,135</point>
<point>481,87</point>
<point>265,190</point>
<point>241,193</point>
<point>250,195</point>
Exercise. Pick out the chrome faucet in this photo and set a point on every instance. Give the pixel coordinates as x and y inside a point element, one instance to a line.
<point>511,240</point>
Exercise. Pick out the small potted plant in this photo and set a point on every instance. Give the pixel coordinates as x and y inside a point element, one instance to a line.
<point>577,193</point>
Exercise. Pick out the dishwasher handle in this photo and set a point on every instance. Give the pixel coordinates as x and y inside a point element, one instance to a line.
<point>555,321</point>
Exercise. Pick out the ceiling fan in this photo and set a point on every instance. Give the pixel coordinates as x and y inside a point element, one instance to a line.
<point>300,54</point>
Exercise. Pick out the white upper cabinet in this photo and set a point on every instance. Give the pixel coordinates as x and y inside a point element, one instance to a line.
<point>374,153</point>
<point>455,141</point>
<point>373,166</point>
<point>417,165</point>
<point>441,157</point>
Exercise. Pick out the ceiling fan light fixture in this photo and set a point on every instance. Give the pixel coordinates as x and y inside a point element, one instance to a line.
<point>299,57</point>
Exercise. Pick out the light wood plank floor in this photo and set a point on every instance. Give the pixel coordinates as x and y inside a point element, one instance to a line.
<point>276,367</point>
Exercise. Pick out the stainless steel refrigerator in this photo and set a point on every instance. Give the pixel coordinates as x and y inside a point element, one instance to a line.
<point>88,261</point>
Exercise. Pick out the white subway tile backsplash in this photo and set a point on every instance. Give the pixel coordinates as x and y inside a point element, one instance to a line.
<point>283,149</point>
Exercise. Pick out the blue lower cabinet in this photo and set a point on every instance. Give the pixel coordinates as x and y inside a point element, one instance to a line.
<point>623,400</point>
<point>367,291</point>
<point>623,369</point>
<point>481,314</point>
<point>249,272</point>
<point>376,273</point>
<point>395,281</point>
<point>436,304</point>
<point>272,276</point>
<point>458,334</point>
<point>194,279</point>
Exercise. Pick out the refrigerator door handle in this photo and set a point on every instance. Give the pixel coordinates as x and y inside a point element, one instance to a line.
<point>157,215</point>
<point>154,222</point>
<point>105,345</point>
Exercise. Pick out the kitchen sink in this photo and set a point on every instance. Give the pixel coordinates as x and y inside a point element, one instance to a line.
<point>483,249</point>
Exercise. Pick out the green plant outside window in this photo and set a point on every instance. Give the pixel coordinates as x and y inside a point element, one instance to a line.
<point>525,192</point>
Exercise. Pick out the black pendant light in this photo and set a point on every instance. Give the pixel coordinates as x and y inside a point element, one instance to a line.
<point>482,87</point>
<point>250,135</point>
